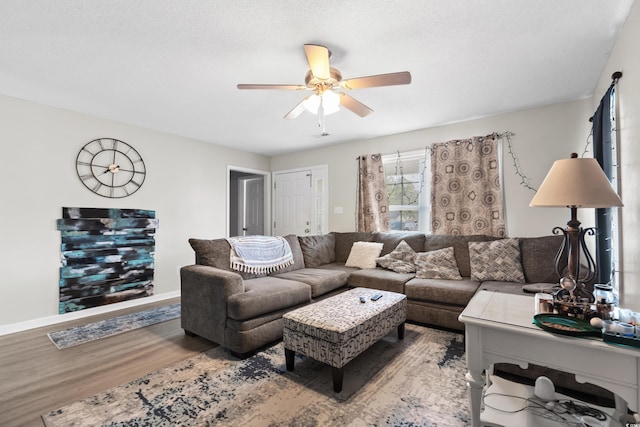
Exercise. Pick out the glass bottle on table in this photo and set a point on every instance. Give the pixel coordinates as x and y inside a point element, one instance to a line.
<point>604,300</point>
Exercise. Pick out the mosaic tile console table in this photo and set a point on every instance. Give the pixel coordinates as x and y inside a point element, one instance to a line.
<point>335,330</point>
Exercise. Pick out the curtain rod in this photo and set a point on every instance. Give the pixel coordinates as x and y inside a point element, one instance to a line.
<point>614,80</point>
<point>615,77</point>
<point>506,134</point>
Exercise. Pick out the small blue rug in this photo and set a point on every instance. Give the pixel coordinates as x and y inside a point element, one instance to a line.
<point>105,328</point>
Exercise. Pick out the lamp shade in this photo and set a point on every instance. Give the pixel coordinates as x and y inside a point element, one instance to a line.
<point>329,99</point>
<point>576,182</point>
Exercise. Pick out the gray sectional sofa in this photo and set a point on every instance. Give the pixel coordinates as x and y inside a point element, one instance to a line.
<point>243,312</point>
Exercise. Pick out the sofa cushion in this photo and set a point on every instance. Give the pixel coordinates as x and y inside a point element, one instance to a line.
<point>266,294</point>
<point>498,260</point>
<point>401,259</point>
<point>318,250</point>
<point>296,251</point>
<point>213,253</point>
<point>538,258</point>
<point>438,264</point>
<point>345,241</point>
<point>460,246</point>
<point>451,292</point>
<point>339,266</point>
<point>378,278</point>
<point>390,241</point>
<point>320,280</point>
<point>364,255</point>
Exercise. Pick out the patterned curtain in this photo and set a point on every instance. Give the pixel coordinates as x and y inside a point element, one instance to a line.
<point>373,205</point>
<point>466,197</point>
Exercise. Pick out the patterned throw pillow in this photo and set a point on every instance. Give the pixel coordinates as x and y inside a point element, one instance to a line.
<point>400,260</point>
<point>438,264</point>
<point>364,254</point>
<point>498,260</point>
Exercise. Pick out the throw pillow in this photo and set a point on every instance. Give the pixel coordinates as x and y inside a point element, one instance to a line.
<point>400,260</point>
<point>364,254</point>
<point>438,264</point>
<point>318,250</point>
<point>498,260</point>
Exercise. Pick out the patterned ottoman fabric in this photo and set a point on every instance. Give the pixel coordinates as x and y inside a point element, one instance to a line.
<point>337,329</point>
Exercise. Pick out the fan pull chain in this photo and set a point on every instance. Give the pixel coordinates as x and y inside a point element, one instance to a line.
<point>321,118</point>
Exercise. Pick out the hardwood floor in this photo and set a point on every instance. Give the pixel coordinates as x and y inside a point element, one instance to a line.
<point>36,377</point>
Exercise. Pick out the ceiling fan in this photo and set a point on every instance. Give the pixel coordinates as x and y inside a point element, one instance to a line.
<point>326,81</point>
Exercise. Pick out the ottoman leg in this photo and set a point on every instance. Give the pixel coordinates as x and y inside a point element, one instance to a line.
<point>338,375</point>
<point>289,355</point>
<point>401,331</point>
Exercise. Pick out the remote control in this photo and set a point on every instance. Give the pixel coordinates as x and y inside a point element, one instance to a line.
<point>362,300</point>
<point>376,297</point>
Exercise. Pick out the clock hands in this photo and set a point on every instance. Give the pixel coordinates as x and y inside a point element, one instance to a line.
<point>113,168</point>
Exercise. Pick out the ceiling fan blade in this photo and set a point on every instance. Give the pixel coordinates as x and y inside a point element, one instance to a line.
<point>391,79</point>
<point>318,58</point>
<point>268,86</point>
<point>297,110</point>
<point>354,105</point>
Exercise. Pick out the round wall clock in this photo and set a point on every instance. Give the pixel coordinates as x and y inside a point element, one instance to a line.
<point>110,168</point>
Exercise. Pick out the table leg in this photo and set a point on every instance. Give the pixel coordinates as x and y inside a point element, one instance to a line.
<point>401,331</point>
<point>289,356</point>
<point>474,378</point>
<point>338,375</point>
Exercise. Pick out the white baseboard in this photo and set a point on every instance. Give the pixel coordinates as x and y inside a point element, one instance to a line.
<point>52,320</point>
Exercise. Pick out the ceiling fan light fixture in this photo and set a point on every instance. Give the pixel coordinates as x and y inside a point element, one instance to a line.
<point>330,102</point>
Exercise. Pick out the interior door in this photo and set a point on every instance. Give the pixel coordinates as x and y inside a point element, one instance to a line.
<point>253,211</point>
<point>293,196</point>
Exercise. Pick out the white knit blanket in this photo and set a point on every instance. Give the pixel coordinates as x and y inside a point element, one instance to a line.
<point>259,254</point>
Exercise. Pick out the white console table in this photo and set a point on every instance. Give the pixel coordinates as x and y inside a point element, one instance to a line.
<point>499,328</point>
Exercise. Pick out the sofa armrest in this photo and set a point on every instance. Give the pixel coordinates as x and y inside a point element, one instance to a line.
<point>204,294</point>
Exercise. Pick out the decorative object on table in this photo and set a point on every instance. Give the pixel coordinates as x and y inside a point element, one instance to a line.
<point>544,303</point>
<point>110,168</point>
<point>107,256</point>
<point>565,325</point>
<point>576,183</point>
<point>604,301</point>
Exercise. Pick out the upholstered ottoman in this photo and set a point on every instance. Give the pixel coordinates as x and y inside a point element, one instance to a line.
<point>337,329</point>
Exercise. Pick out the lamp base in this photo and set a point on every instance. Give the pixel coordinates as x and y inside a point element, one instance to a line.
<point>569,255</point>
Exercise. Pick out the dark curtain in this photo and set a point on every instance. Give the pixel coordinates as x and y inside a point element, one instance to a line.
<point>603,154</point>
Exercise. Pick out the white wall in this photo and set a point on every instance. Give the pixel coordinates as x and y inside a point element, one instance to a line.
<point>185,185</point>
<point>543,135</point>
<point>625,58</point>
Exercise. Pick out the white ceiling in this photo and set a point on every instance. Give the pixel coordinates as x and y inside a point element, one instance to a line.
<point>173,65</point>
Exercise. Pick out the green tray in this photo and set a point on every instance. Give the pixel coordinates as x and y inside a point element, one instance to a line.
<point>564,325</point>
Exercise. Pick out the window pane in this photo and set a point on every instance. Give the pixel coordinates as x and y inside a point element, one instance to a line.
<point>408,199</point>
<point>404,220</point>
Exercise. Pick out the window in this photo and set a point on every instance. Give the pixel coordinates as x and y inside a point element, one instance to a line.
<point>407,180</point>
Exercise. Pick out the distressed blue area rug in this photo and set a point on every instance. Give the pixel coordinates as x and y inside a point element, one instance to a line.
<point>105,328</point>
<point>418,381</point>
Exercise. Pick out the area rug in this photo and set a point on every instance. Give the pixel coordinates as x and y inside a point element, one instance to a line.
<point>418,381</point>
<point>117,325</point>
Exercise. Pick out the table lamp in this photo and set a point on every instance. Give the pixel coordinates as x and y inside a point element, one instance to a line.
<point>575,183</point>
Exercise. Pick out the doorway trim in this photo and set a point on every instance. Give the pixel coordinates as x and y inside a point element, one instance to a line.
<point>267,195</point>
